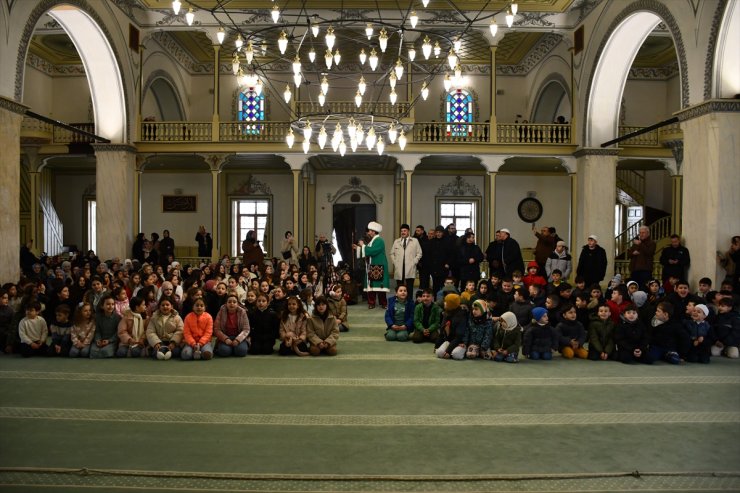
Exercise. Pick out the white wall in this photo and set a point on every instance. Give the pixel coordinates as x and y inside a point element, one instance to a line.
<point>71,97</point>
<point>658,190</point>
<point>67,197</point>
<point>37,91</point>
<point>646,102</point>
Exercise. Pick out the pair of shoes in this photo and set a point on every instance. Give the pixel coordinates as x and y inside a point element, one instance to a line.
<point>370,307</point>
<point>197,354</point>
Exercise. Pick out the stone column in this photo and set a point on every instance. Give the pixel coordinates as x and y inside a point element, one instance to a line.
<point>31,155</point>
<point>596,189</point>
<point>492,164</point>
<point>114,175</point>
<point>574,215</point>
<point>215,122</point>
<point>296,163</point>
<point>11,116</point>
<point>711,172</point>
<point>408,163</point>
<point>492,130</point>
<point>676,203</point>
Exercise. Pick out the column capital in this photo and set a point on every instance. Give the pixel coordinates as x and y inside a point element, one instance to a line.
<point>215,161</point>
<point>295,161</point>
<point>408,162</point>
<point>595,151</point>
<point>492,163</point>
<point>13,106</point>
<point>707,107</point>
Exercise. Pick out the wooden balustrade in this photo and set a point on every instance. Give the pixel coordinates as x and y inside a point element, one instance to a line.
<point>253,132</point>
<point>176,131</point>
<point>444,132</point>
<point>649,139</point>
<point>372,107</point>
<point>533,133</point>
<point>622,267</point>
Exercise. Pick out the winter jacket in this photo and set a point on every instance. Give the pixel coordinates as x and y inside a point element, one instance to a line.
<point>643,261</point>
<point>629,336</point>
<point>408,313</point>
<point>322,330</point>
<point>265,326</point>
<point>163,329</point>
<point>507,339</point>
<point>568,330</point>
<point>727,328</point>
<point>435,317</point>
<point>678,270</point>
<point>523,312</point>
<point>468,271</point>
<point>412,255</point>
<point>592,265</point>
<point>480,333</point>
<point>131,329</point>
<point>454,329</point>
<point>338,308</point>
<point>243,327</point>
<point>538,338</point>
<point>669,336</point>
<point>562,261</point>
<point>297,327</point>
<point>198,329</point>
<point>601,336</point>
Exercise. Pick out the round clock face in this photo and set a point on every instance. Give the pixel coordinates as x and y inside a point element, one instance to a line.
<point>530,210</point>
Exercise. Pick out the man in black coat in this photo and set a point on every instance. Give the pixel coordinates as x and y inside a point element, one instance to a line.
<point>440,258</point>
<point>424,272</point>
<point>511,254</point>
<point>592,262</point>
<point>675,259</point>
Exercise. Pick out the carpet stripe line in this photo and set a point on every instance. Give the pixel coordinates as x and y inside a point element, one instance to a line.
<point>508,420</point>
<point>368,382</point>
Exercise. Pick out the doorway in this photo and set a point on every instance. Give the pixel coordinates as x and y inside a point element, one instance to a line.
<point>350,223</point>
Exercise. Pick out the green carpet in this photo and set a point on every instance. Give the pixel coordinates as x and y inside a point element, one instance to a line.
<point>378,417</point>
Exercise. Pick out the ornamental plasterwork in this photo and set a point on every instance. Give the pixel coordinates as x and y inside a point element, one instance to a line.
<point>584,7</point>
<point>534,19</point>
<point>444,17</point>
<point>359,14</point>
<point>713,35</point>
<point>251,186</point>
<point>128,6</point>
<point>174,50</point>
<point>458,187</point>
<point>355,185</point>
<point>257,16</point>
<point>654,73</point>
<point>546,44</point>
<point>170,18</point>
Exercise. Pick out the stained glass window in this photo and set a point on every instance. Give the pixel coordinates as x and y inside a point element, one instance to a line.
<point>459,110</point>
<point>251,109</point>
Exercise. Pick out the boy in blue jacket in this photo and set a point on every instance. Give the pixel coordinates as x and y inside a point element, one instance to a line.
<point>399,317</point>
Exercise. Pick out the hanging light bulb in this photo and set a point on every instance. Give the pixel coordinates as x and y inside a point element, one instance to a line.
<point>399,68</point>
<point>241,79</point>
<point>239,42</point>
<point>296,65</point>
<point>258,87</point>
<point>337,57</point>
<point>457,44</point>
<point>221,35</point>
<point>362,86</point>
<point>297,79</point>
<point>315,29</point>
<point>425,3</point>
<point>458,72</point>
<point>493,27</point>
<point>176,7</point>
<point>352,129</point>
<point>373,59</point>
<point>509,18</point>
<point>324,85</point>
<point>287,94</point>
<point>330,37</point>
<point>370,139</point>
<point>383,40</point>
<point>514,8</point>
<point>312,55</point>
<point>369,30</point>
<point>413,18</point>
<point>392,133</point>
<point>329,58</point>
<point>393,96</point>
<point>358,98</point>
<point>306,146</point>
<point>392,80</point>
<point>235,64</point>
<point>412,54</point>
<point>359,133</point>
<point>380,146</point>
<point>335,143</point>
<point>342,148</point>
<point>290,138</point>
<point>283,42</point>
<point>275,14</point>
<point>337,135</point>
<point>249,53</point>
<point>264,47</point>
<point>447,82</point>
<point>322,137</point>
<point>353,144</point>
<point>424,91</point>
<point>190,17</point>
<point>437,49</point>
<point>426,48</point>
<point>363,56</point>
<point>402,140</point>
<point>452,59</point>
<point>322,99</point>
<point>307,130</point>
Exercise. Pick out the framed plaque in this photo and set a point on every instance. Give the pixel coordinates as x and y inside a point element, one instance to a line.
<point>179,203</point>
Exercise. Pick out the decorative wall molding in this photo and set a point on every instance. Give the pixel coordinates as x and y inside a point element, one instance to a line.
<point>707,107</point>
<point>458,187</point>
<point>175,51</point>
<point>676,147</point>
<point>595,151</point>
<point>712,47</point>
<point>654,73</point>
<point>354,185</point>
<point>114,148</point>
<point>538,19</point>
<point>12,106</point>
<point>251,186</point>
<point>584,8</point>
<point>546,44</point>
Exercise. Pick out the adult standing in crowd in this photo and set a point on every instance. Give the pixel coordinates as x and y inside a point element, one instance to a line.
<point>642,253</point>
<point>137,249</point>
<point>470,256</point>
<point>424,273</point>
<point>559,259</point>
<point>288,248</point>
<point>405,255</point>
<point>166,248</point>
<point>546,240</point>
<point>675,259</point>
<point>493,254</point>
<point>324,252</point>
<point>592,262</point>
<point>439,257</point>
<point>511,253</point>
<point>730,262</point>
<point>252,250</point>
<point>205,242</point>
<point>377,281</point>
<point>454,243</point>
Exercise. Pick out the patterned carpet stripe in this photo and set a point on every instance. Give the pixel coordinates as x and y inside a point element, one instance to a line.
<point>370,382</point>
<point>506,420</point>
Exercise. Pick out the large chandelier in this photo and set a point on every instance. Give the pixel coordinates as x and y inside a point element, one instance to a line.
<point>364,57</point>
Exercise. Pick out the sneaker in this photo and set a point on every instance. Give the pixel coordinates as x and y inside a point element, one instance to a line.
<point>196,354</point>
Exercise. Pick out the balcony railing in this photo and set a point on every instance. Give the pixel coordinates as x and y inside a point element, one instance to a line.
<point>534,133</point>
<point>654,138</point>
<point>37,129</point>
<point>374,107</point>
<point>444,132</point>
<point>253,132</point>
<point>176,131</point>
<point>64,136</point>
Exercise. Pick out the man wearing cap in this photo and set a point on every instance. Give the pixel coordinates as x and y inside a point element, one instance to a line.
<point>374,252</point>
<point>641,254</point>
<point>511,254</point>
<point>675,259</point>
<point>592,262</point>
<point>405,255</point>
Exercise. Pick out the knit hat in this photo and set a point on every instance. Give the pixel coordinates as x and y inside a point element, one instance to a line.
<point>452,301</point>
<point>372,225</point>
<point>593,237</point>
<point>509,320</point>
<point>617,279</point>
<point>538,313</point>
<point>504,230</point>
<point>560,243</point>
<point>533,263</point>
<point>210,284</point>
<point>631,283</point>
<point>703,308</point>
<point>639,298</point>
<point>482,306</point>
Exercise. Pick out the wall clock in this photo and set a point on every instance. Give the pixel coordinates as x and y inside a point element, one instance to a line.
<point>529,210</point>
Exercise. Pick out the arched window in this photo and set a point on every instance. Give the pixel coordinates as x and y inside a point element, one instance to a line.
<point>251,108</point>
<point>459,111</point>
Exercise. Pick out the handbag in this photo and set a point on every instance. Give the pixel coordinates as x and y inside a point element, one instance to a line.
<point>286,255</point>
<point>375,272</point>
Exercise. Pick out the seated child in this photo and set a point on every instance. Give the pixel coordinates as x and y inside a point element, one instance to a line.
<point>507,339</point>
<point>701,335</point>
<point>537,295</point>
<point>6,317</point>
<point>480,332</point>
<point>197,333</point>
<point>580,287</point>
<point>539,337</point>
<point>131,330</point>
<point>521,307</point>
<point>231,328</point>
<point>618,303</point>
<point>583,314</point>
<point>552,304</point>
<point>427,317</point>
<point>516,279</point>
<point>532,277</point>
<point>61,341</point>
<point>595,299</point>
<point>293,332</point>
<point>705,285</point>
<point>447,288</point>
<point>399,317</point>
<point>601,335</point>
<point>82,332</point>
<point>265,327</point>
<point>668,340</point>
<point>338,306</point>
<point>33,331</point>
<point>322,330</point>
<point>164,331</point>
<point>556,278</point>
<point>306,298</point>
<point>481,291</point>
<point>631,338</point>
<point>571,334</point>
<point>726,330</point>
<point>121,298</point>
<point>349,288</point>
<point>454,326</point>
<point>466,297</point>
<point>105,341</point>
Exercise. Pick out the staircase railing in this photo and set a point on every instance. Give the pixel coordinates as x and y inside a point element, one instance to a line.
<point>633,183</point>
<point>658,230</point>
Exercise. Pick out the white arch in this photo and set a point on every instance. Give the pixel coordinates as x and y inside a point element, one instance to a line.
<point>727,55</point>
<point>106,84</point>
<point>610,76</point>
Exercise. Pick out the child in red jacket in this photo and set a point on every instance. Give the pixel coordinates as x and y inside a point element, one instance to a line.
<point>197,333</point>
<point>532,277</point>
